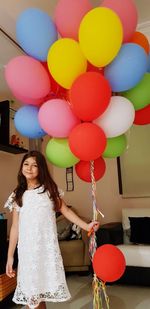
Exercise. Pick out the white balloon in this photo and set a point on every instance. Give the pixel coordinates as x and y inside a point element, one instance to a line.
<point>117,118</point>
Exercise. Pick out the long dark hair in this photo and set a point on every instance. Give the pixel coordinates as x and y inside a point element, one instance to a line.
<point>44,178</point>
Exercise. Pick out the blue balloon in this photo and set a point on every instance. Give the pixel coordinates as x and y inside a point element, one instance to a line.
<point>36,32</point>
<point>128,68</point>
<point>26,122</point>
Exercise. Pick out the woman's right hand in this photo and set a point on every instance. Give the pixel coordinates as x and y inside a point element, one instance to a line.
<point>9,268</point>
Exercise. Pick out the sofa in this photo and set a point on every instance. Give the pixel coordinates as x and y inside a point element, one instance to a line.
<point>132,237</point>
<point>73,244</point>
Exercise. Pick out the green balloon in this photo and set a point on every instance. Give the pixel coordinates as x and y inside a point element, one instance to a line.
<point>140,94</point>
<point>115,146</point>
<point>59,153</point>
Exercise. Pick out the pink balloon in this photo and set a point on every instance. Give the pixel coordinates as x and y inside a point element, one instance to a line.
<point>127,12</point>
<point>26,100</point>
<point>56,118</point>
<point>68,15</point>
<point>27,77</point>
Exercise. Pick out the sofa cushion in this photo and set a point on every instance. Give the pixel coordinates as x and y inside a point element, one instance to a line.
<point>72,252</point>
<point>140,230</point>
<point>126,236</point>
<point>131,212</point>
<point>136,255</point>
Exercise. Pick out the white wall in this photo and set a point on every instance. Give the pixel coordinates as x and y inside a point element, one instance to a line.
<point>108,199</point>
<point>9,164</point>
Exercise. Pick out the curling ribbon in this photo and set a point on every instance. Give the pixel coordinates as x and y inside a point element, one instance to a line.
<point>99,289</point>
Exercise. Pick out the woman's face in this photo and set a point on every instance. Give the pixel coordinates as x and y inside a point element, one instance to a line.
<point>30,169</point>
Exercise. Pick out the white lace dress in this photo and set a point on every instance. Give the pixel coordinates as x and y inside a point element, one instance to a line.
<point>40,275</point>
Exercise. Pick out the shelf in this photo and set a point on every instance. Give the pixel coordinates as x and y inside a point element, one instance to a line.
<point>12,149</point>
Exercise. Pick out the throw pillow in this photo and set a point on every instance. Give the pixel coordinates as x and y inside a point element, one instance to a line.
<point>140,230</point>
<point>126,236</point>
<point>63,228</point>
<point>75,232</point>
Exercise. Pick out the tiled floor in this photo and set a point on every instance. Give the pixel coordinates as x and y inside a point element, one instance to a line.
<point>120,296</point>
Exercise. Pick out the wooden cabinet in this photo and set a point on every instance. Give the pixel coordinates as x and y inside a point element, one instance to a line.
<point>7,285</point>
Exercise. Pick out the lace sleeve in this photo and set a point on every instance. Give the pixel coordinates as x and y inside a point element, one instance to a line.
<point>10,204</point>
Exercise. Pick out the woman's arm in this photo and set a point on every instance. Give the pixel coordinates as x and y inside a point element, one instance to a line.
<point>71,216</point>
<point>12,244</point>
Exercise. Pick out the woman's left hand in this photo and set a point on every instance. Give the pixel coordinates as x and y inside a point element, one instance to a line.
<point>94,225</point>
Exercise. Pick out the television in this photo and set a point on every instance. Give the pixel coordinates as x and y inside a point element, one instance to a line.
<point>4,122</point>
<point>7,130</point>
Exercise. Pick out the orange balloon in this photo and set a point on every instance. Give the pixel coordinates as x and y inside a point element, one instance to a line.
<point>140,39</point>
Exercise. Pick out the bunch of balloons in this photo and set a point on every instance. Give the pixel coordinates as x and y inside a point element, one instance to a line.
<point>84,81</point>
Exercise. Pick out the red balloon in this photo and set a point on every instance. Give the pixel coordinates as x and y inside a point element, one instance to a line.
<point>90,95</point>
<point>92,68</point>
<point>87,141</point>
<point>142,116</point>
<point>84,172</point>
<point>109,263</point>
<point>57,91</point>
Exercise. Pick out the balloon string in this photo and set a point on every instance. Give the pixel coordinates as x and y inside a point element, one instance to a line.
<point>99,288</point>
<point>93,183</point>
<point>128,136</point>
<point>92,241</point>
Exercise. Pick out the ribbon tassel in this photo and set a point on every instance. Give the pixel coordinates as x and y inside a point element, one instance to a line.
<point>100,298</point>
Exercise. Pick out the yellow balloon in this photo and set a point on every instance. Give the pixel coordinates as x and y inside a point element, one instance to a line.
<point>100,36</point>
<point>66,61</point>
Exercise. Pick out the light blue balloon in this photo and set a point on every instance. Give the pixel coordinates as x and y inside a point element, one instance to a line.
<point>26,122</point>
<point>128,68</point>
<point>36,32</point>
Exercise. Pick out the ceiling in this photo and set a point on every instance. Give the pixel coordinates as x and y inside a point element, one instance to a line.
<point>9,11</point>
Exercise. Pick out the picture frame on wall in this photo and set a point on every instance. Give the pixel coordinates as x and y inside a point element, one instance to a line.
<point>134,164</point>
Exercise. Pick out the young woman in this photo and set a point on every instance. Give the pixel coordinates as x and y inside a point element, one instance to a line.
<point>40,275</point>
